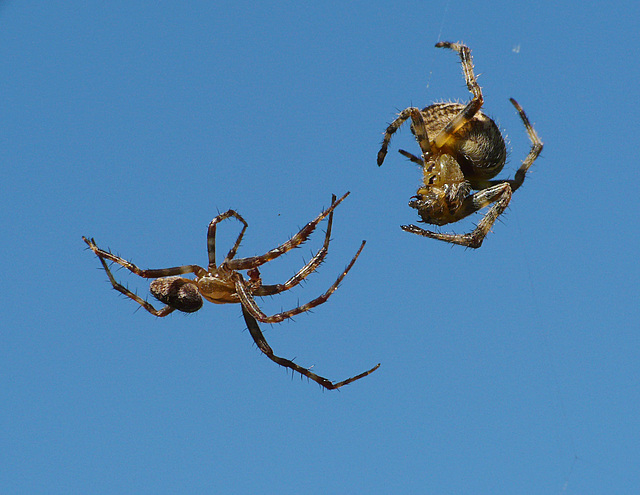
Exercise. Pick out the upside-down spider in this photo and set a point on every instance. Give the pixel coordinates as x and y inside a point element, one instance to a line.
<point>462,149</point>
<point>223,283</point>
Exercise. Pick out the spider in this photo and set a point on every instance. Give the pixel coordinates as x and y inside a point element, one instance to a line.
<point>462,150</point>
<point>223,283</point>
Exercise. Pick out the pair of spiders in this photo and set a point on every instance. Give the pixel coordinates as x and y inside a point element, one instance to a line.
<point>462,150</point>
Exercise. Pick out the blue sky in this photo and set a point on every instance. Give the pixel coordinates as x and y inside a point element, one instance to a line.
<point>510,369</point>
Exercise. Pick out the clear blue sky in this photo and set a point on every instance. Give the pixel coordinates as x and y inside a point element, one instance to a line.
<point>510,369</point>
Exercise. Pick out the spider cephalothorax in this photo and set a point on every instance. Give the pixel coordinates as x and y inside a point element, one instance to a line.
<point>224,283</point>
<point>462,151</point>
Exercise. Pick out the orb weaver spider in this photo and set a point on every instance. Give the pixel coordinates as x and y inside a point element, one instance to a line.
<point>223,283</point>
<point>462,150</point>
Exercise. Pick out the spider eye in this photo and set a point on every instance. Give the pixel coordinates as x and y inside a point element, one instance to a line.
<point>177,292</point>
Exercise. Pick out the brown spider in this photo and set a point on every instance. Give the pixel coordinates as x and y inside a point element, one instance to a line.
<point>223,283</point>
<point>462,149</point>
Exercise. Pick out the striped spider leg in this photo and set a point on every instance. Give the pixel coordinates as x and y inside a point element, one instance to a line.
<point>462,150</point>
<point>261,342</point>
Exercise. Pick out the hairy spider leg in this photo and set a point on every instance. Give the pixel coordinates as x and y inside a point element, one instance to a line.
<point>266,349</point>
<point>250,305</point>
<point>152,273</point>
<point>295,241</point>
<point>122,289</point>
<point>391,129</point>
<point>474,104</point>
<point>211,237</point>
<point>536,149</point>
<point>412,157</point>
<point>420,129</point>
<point>305,271</point>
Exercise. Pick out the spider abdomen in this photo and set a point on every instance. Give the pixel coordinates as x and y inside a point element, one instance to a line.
<point>477,146</point>
<point>177,292</point>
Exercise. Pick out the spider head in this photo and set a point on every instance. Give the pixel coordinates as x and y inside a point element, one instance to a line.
<point>440,199</point>
<point>431,206</point>
<point>177,292</point>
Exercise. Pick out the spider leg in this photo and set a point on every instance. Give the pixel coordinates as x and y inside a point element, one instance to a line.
<point>393,127</point>
<point>262,344</point>
<point>211,237</point>
<point>412,157</point>
<point>499,194</point>
<point>474,104</point>
<point>123,290</point>
<point>250,305</point>
<point>295,241</point>
<point>305,271</point>
<point>156,273</point>
<point>536,148</point>
<point>420,130</point>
